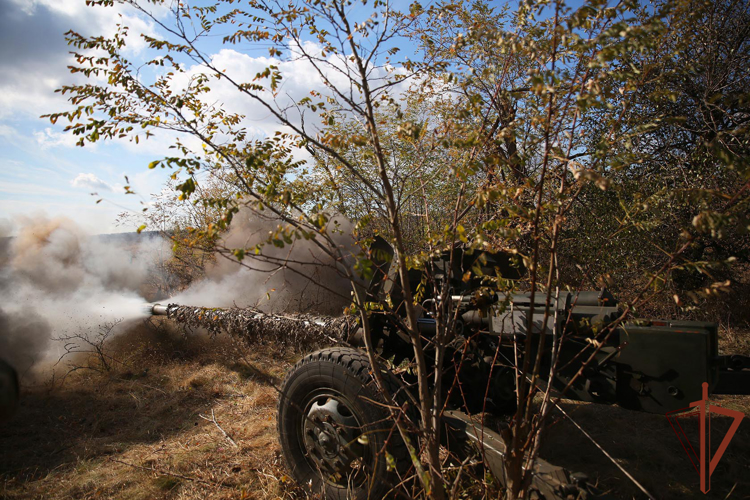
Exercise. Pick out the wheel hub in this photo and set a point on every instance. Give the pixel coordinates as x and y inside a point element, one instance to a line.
<point>331,433</point>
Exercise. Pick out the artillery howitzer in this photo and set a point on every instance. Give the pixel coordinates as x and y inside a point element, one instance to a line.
<point>338,437</point>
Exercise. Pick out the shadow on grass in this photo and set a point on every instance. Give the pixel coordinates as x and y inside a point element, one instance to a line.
<point>166,381</point>
<point>52,430</point>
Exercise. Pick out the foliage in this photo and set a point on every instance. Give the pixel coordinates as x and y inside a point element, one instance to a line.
<point>598,143</point>
<point>690,166</point>
<point>183,223</point>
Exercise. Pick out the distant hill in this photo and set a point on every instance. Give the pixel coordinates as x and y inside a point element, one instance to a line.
<point>130,237</point>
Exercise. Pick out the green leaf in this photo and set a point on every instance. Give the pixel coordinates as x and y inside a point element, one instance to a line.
<point>390,462</point>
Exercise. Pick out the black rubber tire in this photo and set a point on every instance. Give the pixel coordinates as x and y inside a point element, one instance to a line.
<point>347,372</point>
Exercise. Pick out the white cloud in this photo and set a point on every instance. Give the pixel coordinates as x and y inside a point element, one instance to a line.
<point>90,182</point>
<point>95,219</point>
<point>49,138</point>
<point>299,79</point>
<point>34,54</point>
<point>148,182</point>
<point>8,132</point>
<point>27,6</point>
<point>33,59</point>
<point>157,145</point>
<point>36,66</point>
<point>97,19</point>
<point>10,187</point>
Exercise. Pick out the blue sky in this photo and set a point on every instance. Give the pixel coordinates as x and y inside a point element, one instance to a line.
<point>42,172</point>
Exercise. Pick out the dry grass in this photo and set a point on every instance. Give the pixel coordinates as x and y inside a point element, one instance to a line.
<point>137,433</point>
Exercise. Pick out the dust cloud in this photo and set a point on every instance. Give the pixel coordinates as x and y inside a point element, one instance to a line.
<point>55,280</point>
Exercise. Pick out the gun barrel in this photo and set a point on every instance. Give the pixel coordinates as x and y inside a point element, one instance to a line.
<point>157,309</point>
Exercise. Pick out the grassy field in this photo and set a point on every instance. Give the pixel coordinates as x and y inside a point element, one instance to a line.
<point>140,434</point>
<point>145,430</point>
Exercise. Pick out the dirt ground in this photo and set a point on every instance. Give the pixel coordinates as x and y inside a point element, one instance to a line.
<point>144,431</point>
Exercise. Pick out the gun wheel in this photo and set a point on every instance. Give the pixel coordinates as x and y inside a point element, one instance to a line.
<point>332,436</point>
<point>337,437</point>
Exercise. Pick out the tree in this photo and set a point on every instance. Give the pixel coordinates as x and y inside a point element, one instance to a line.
<point>507,130</point>
<point>424,189</point>
<point>182,223</point>
<point>684,171</point>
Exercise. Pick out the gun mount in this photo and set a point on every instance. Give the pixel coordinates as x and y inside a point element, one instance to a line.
<point>327,401</point>
<point>646,365</point>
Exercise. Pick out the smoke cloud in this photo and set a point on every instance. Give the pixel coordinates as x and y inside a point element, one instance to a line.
<point>299,277</point>
<point>55,281</point>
